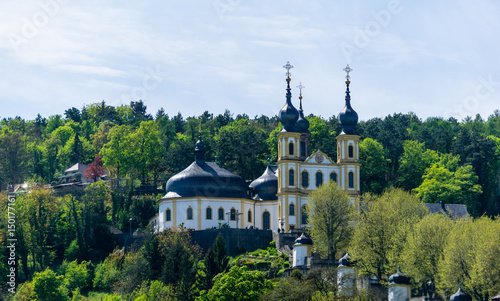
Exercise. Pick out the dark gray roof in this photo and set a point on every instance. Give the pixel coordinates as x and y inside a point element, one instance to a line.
<point>453,210</point>
<point>206,180</point>
<point>265,187</point>
<point>345,261</point>
<point>303,240</point>
<point>399,278</point>
<point>460,295</point>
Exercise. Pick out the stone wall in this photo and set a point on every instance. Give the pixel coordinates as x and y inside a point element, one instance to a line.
<point>237,240</point>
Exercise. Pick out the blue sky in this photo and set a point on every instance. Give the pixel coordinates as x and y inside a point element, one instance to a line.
<point>431,58</point>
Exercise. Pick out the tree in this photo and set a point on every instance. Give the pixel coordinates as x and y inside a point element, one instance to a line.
<point>95,170</point>
<point>329,210</point>
<point>381,230</point>
<point>146,150</point>
<point>424,248</point>
<point>413,163</point>
<point>322,136</point>
<point>73,114</point>
<point>48,286</point>
<point>13,158</point>
<point>375,166</point>
<point>470,257</point>
<point>215,261</point>
<point>238,284</point>
<point>116,152</point>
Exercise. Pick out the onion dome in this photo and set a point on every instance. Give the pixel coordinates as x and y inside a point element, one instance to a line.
<point>303,240</point>
<point>399,278</point>
<point>348,118</point>
<point>302,124</point>
<point>205,179</point>
<point>345,261</point>
<point>288,115</point>
<point>460,295</point>
<point>265,187</point>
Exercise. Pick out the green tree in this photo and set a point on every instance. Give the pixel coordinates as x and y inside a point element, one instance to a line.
<point>14,158</point>
<point>424,248</point>
<point>381,230</point>
<point>78,276</point>
<point>329,210</point>
<point>470,257</point>
<point>413,163</point>
<point>116,152</point>
<point>215,261</point>
<point>375,166</point>
<point>322,136</point>
<point>146,150</point>
<point>238,284</point>
<point>48,286</point>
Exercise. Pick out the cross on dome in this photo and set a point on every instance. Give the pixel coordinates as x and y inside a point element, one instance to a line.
<point>288,67</point>
<point>347,70</point>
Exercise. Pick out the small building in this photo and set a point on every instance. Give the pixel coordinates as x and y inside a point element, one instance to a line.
<point>452,210</point>
<point>76,175</point>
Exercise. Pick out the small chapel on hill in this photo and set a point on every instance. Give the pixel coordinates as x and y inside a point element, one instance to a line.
<point>205,195</point>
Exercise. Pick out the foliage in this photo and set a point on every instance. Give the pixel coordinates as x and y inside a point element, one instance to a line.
<point>215,261</point>
<point>375,166</point>
<point>155,291</point>
<point>329,210</point>
<point>381,230</point>
<point>79,276</point>
<point>237,284</point>
<point>413,163</point>
<point>48,286</point>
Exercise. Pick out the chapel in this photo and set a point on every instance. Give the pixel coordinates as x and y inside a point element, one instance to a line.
<point>205,195</point>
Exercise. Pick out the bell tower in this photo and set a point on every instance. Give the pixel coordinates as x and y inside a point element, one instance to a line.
<point>348,144</point>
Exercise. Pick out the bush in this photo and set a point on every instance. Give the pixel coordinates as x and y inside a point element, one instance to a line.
<point>49,287</point>
<point>79,276</point>
<point>107,273</point>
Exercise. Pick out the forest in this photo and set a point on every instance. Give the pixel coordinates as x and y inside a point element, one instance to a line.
<point>64,238</point>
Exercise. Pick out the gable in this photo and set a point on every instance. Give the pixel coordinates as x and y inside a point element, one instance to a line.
<point>319,157</point>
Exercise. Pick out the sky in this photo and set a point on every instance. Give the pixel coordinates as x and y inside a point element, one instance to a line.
<point>433,58</point>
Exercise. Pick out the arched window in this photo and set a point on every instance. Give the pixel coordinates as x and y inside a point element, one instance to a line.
<point>209,213</point>
<point>190,213</point>
<point>266,220</point>
<point>333,176</point>
<point>168,215</point>
<point>233,214</point>
<point>291,210</point>
<point>290,148</point>
<point>249,216</point>
<point>351,151</point>
<point>221,214</point>
<point>304,215</point>
<point>305,179</point>
<point>351,179</point>
<point>302,149</point>
<point>291,177</point>
<point>319,179</point>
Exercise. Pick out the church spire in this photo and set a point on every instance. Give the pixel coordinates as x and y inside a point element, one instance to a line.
<point>348,118</point>
<point>199,151</point>
<point>288,115</point>
<point>302,123</point>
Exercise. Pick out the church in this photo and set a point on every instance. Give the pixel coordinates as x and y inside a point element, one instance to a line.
<point>205,195</point>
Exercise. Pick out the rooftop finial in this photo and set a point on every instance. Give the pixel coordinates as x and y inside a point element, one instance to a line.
<point>348,70</point>
<point>300,86</point>
<point>288,67</point>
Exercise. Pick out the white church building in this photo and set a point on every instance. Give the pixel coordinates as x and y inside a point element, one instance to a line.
<point>205,195</point>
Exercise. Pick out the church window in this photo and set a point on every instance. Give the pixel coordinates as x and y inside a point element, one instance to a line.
<point>291,176</point>
<point>290,148</point>
<point>351,179</point>
<point>221,214</point>
<point>168,215</point>
<point>190,213</point>
<point>333,177</point>
<point>319,179</point>
<point>304,215</point>
<point>266,220</point>
<point>291,210</point>
<point>305,179</point>
<point>249,216</point>
<point>302,149</point>
<point>351,151</point>
<point>233,214</point>
<point>209,213</point>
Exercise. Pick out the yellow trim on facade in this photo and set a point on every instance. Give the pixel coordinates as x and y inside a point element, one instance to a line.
<point>174,216</point>
<point>242,214</point>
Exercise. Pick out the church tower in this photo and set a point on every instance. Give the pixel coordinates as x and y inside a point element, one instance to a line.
<point>348,144</point>
<point>293,148</point>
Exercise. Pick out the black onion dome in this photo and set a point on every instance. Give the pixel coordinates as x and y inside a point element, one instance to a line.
<point>288,115</point>
<point>206,180</point>
<point>199,151</point>
<point>399,278</point>
<point>303,240</point>
<point>265,187</point>
<point>460,295</point>
<point>302,124</point>
<point>345,261</point>
<point>348,118</point>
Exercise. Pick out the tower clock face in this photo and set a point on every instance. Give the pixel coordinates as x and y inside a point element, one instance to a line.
<point>319,158</point>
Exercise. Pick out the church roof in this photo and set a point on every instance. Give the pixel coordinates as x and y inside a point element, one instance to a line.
<point>453,210</point>
<point>265,187</point>
<point>207,179</point>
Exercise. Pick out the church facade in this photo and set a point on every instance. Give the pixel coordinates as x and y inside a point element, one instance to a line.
<point>205,195</point>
